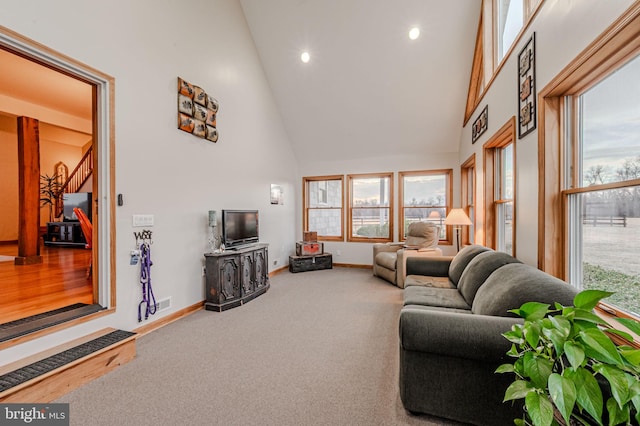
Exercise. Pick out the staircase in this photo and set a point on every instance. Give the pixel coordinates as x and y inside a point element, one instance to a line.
<point>76,179</point>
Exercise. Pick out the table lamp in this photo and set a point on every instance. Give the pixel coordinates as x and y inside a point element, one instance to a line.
<point>457,218</point>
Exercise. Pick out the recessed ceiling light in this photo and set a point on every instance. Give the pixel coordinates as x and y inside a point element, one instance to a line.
<point>305,57</point>
<point>414,33</point>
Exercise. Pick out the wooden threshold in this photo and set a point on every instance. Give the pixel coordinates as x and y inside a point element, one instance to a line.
<point>54,383</point>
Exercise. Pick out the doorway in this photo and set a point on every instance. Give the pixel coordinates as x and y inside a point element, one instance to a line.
<point>73,106</point>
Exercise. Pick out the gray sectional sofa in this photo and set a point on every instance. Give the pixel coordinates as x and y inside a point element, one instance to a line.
<point>451,336</point>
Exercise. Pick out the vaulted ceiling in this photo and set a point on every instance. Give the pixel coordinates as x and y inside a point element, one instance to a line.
<point>368,90</point>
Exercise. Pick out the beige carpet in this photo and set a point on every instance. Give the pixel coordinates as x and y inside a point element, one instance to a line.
<point>319,348</point>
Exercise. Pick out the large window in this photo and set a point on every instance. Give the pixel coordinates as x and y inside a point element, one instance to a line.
<point>425,196</point>
<point>468,185</point>
<point>499,171</point>
<point>323,197</point>
<point>589,204</point>
<point>510,18</point>
<point>370,214</point>
<point>603,192</point>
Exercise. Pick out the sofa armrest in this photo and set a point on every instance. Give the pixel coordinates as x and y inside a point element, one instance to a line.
<point>404,254</point>
<point>386,247</point>
<point>432,266</point>
<point>454,334</point>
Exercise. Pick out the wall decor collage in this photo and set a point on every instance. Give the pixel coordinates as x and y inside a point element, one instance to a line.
<point>197,111</point>
<point>527,88</point>
<point>526,95</point>
<point>480,124</point>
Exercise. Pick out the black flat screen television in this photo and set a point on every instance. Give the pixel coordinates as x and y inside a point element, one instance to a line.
<point>239,227</point>
<point>76,199</point>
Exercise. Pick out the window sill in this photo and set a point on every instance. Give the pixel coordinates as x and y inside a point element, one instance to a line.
<point>609,314</point>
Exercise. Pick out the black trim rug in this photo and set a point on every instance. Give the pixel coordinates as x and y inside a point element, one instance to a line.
<point>24,326</point>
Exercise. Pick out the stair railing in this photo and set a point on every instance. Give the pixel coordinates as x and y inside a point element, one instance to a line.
<point>76,179</point>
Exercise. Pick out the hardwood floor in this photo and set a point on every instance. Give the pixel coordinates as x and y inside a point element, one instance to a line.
<point>60,280</point>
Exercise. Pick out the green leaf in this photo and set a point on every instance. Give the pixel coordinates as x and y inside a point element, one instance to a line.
<point>588,299</point>
<point>532,333</point>
<point>603,348</point>
<point>514,337</point>
<point>516,390</point>
<point>631,324</point>
<point>589,394</point>
<point>539,408</point>
<point>631,355</point>
<point>584,315</point>
<point>617,415</point>
<point>563,394</point>
<point>575,353</point>
<point>620,333</point>
<point>617,381</point>
<point>557,338</point>
<point>505,368</point>
<point>538,369</point>
<point>532,311</point>
<point>562,325</point>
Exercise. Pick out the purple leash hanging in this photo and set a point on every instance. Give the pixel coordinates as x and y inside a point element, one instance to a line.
<point>148,298</point>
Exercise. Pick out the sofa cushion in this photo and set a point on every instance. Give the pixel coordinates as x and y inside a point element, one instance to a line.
<point>510,286</point>
<point>428,281</point>
<point>422,235</point>
<point>387,260</point>
<point>431,296</point>
<point>479,269</point>
<point>462,259</point>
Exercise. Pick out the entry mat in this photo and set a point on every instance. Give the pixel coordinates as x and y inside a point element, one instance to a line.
<point>21,327</point>
<point>31,371</point>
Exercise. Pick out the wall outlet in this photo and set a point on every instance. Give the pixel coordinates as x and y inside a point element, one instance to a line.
<point>275,262</point>
<point>338,253</point>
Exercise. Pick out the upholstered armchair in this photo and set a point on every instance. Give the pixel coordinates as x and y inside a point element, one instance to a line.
<point>390,259</point>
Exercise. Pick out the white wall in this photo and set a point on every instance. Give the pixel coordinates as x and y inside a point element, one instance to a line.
<point>145,45</point>
<point>563,29</point>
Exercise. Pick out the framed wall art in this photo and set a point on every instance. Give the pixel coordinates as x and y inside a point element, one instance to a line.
<point>197,111</point>
<point>480,124</point>
<point>527,88</point>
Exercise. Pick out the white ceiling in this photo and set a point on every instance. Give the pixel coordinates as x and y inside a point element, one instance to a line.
<point>26,81</point>
<point>368,91</point>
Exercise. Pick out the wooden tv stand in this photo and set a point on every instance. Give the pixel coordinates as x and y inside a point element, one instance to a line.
<point>234,277</point>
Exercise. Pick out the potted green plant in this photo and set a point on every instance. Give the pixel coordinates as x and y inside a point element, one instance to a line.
<point>49,190</point>
<point>569,370</point>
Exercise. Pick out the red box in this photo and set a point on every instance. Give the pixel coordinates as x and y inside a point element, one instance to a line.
<point>304,248</point>
<point>310,237</point>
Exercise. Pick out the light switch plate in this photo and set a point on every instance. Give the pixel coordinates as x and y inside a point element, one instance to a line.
<point>142,220</point>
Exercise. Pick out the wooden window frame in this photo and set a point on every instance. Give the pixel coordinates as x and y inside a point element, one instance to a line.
<point>468,171</point>
<point>615,46</point>
<point>306,208</point>
<point>448,173</point>
<point>485,66</point>
<point>502,138</point>
<point>350,207</point>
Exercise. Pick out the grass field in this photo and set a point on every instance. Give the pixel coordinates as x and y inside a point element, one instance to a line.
<point>611,263</point>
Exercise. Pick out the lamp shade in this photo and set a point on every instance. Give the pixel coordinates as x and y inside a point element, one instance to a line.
<point>435,214</point>
<point>457,217</point>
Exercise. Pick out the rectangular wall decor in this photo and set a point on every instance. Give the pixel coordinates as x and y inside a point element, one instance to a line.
<point>527,88</point>
<point>197,111</point>
<point>480,124</point>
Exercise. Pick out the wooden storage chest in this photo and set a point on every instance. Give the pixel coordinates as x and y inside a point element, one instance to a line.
<point>310,263</point>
